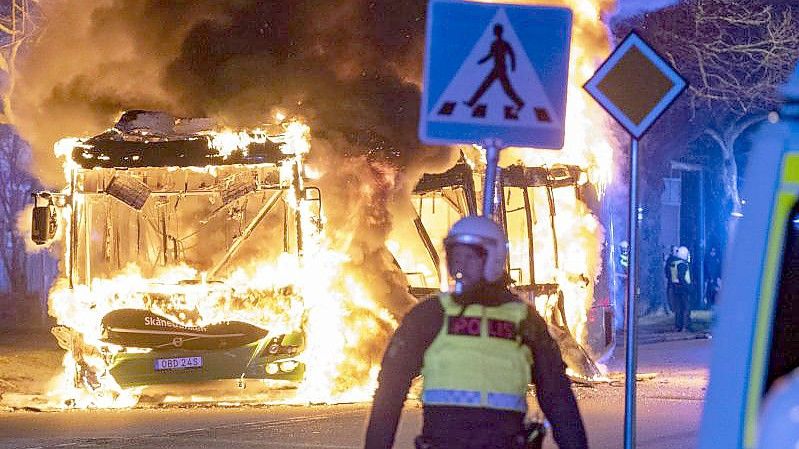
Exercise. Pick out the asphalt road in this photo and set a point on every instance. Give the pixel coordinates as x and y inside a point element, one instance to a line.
<point>669,407</point>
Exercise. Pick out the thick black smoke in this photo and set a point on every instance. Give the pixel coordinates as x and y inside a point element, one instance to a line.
<point>335,65</point>
<point>347,66</point>
<point>350,69</point>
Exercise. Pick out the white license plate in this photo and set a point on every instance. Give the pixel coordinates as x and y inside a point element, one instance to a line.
<point>178,363</point>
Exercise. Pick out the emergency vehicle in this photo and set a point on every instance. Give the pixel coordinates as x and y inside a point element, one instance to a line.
<point>756,337</point>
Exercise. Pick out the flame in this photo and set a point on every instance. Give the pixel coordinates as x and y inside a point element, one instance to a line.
<point>312,290</point>
<point>63,149</point>
<point>308,290</point>
<point>297,139</point>
<point>587,145</point>
<point>406,257</point>
<point>583,146</point>
<point>228,141</point>
<point>566,239</point>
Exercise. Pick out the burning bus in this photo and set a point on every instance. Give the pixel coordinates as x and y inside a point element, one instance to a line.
<point>550,229</point>
<point>158,219</point>
<point>193,254</point>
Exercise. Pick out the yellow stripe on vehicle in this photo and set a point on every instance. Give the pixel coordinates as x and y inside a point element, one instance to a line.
<point>790,169</point>
<point>785,202</point>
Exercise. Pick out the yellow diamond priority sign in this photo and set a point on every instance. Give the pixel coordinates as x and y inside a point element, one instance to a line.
<point>635,85</point>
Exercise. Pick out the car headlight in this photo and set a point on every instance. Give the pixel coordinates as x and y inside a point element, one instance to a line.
<point>288,366</point>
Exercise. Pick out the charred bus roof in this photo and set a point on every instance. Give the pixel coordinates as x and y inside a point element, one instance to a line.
<point>157,139</point>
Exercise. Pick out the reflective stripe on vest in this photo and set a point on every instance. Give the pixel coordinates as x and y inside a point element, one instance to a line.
<point>471,398</point>
<point>674,270</point>
<point>477,359</point>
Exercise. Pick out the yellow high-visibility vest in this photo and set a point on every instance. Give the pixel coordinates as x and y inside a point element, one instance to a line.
<point>675,273</point>
<point>478,359</point>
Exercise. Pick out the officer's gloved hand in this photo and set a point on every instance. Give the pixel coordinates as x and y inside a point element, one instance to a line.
<point>534,433</point>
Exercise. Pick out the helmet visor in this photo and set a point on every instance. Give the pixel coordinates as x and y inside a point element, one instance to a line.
<point>484,243</point>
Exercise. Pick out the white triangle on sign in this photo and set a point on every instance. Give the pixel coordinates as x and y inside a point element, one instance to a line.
<point>496,106</point>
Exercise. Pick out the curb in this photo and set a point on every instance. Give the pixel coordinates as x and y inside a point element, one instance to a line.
<point>663,338</point>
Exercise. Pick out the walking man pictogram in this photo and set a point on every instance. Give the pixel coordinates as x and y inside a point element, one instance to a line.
<point>500,49</point>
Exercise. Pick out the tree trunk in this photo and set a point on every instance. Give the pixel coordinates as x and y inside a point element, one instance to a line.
<point>729,170</point>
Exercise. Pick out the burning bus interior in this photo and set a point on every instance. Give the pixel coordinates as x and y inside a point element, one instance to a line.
<point>528,211</point>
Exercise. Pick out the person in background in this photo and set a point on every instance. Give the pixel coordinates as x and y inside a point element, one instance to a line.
<point>478,347</point>
<point>672,256</point>
<point>680,280</point>
<point>621,266</point>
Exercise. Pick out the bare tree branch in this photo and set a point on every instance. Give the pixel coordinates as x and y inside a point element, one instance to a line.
<point>16,185</point>
<point>735,54</point>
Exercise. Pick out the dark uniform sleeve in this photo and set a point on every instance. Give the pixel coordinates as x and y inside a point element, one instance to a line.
<point>401,363</point>
<point>552,387</point>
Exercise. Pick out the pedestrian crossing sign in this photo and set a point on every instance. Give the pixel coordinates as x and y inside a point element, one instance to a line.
<point>495,72</point>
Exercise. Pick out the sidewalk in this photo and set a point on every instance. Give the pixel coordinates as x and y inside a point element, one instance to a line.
<point>659,327</point>
<point>29,359</point>
<point>671,365</point>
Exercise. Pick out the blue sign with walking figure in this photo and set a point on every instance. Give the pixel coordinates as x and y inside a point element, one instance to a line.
<point>495,72</point>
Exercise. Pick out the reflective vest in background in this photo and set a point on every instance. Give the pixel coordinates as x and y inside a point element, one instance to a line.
<point>675,272</point>
<point>624,259</point>
<point>478,359</point>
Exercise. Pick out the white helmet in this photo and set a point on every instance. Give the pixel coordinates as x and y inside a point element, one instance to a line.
<point>486,234</point>
<point>682,253</point>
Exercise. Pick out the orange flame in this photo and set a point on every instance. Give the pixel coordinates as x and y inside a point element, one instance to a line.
<point>587,145</point>
<point>308,291</point>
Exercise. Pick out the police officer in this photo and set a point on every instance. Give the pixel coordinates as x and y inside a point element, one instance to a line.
<point>672,257</point>
<point>680,278</point>
<point>624,256</point>
<point>477,348</point>
<point>622,268</point>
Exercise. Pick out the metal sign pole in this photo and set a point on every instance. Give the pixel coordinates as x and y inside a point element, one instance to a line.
<point>492,162</point>
<point>621,71</point>
<point>631,355</point>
